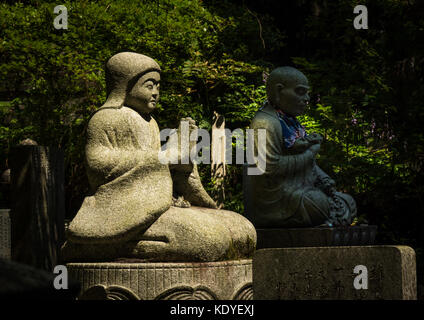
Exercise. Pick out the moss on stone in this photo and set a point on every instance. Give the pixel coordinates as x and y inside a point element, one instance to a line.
<point>238,250</point>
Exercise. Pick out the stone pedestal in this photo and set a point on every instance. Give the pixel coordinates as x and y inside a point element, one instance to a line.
<point>4,234</point>
<point>224,280</point>
<point>335,273</point>
<point>316,237</point>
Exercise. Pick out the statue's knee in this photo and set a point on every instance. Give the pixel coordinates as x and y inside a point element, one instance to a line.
<point>316,200</point>
<point>317,207</point>
<point>349,200</point>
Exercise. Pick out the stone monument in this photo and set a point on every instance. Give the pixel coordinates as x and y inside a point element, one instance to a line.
<point>307,246</point>
<point>132,225</point>
<point>294,193</point>
<point>335,273</point>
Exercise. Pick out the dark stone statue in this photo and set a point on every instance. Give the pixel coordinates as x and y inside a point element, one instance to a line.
<point>293,191</point>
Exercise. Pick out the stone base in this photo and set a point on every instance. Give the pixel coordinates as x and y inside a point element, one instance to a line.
<point>224,280</point>
<point>316,237</point>
<point>335,273</point>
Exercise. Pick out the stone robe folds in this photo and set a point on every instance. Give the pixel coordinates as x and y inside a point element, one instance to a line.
<point>130,187</point>
<point>286,194</point>
<point>129,214</point>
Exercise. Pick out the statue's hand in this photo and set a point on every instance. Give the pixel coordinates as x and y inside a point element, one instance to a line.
<point>186,127</point>
<point>330,187</point>
<point>180,202</point>
<point>191,123</point>
<point>315,148</point>
<point>191,127</point>
<point>301,144</point>
<point>314,138</point>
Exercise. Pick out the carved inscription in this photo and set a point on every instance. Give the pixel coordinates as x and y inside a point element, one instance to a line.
<point>329,282</point>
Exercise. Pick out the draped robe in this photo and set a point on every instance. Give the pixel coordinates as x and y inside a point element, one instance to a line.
<point>130,187</point>
<point>129,213</point>
<point>286,194</point>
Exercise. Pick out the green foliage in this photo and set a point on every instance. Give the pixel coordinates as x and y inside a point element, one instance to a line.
<point>366,85</point>
<point>55,78</point>
<point>367,93</point>
<point>370,121</point>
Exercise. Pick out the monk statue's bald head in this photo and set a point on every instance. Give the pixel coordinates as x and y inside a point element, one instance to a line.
<point>287,90</point>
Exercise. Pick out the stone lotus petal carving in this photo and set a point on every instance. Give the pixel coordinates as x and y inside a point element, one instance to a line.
<point>102,292</point>
<point>224,280</point>
<point>244,293</point>
<point>187,293</point>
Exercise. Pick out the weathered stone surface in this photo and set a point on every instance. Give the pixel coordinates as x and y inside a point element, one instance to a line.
<point>131,188</point>
<point>37,205</point>
<point>223,280</point>
<point>5,234</point>
<point>316,237</point>
<point>213,235</point>
<point>322,273</point>
<point>128,213</point>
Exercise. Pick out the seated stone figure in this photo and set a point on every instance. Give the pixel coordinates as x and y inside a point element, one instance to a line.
<point>129,213</point>
<point>293,191</point>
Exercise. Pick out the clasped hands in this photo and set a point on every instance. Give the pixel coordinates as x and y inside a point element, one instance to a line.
<point>311,142</point>
<point>183,135</point>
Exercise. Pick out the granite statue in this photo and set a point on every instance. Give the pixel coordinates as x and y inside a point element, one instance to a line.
<point>293,191</point>
<point>138,207</point>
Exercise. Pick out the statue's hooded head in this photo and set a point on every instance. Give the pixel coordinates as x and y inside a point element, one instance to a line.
<point>132,79</point>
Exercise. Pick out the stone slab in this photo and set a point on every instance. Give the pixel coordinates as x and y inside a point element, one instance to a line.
<point>316,237</point>
<point>5,252</point>
<point>224,280</point>
<point>327,273</point>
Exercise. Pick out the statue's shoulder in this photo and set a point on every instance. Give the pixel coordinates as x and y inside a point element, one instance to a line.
<point>105,113</point>
<point>264,118</point>
<point>112,116</point>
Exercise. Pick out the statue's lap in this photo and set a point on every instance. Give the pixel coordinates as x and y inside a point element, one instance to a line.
<point>180,234</point>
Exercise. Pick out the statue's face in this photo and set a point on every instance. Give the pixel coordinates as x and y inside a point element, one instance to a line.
<point>292,97</point>
<point>144,95</point>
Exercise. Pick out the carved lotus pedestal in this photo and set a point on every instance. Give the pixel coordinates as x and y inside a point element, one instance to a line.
<point>224,280</point>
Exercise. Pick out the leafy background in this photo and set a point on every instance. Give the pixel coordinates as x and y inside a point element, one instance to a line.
<point>367,85</point>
